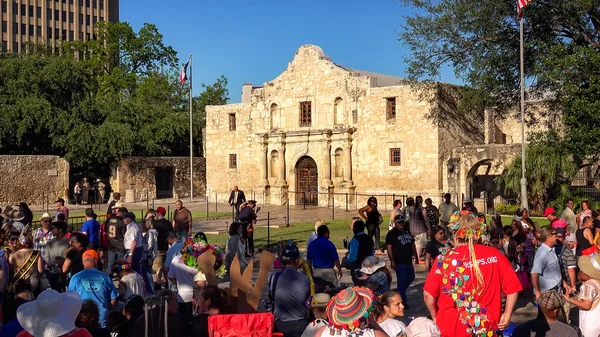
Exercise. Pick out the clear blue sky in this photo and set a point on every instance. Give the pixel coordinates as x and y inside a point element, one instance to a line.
<point>253,41</point>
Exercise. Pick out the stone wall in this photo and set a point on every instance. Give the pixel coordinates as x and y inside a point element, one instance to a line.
<point>349,138</point>
<point>135,177</point>
<point>36,180</point>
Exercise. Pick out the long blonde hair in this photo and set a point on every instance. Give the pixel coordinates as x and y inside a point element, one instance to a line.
<point>319,223</point>
<point>472,226</point>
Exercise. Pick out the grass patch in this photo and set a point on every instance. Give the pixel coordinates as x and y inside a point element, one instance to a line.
<point>299,232</point>
<point>339,229</point>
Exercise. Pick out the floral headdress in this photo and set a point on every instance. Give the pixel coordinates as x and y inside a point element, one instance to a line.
<point>192,251</point>
<point>466,233</point>
<point>462,278</point>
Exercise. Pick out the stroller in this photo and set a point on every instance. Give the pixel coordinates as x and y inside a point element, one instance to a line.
<point>238,325</point>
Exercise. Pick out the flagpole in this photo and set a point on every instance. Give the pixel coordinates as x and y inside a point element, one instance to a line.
<point>524,203</point>
<point>191,139</point>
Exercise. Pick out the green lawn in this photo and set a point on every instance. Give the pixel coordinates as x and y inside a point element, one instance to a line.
<point>339,229</point>
<point>298,232</point>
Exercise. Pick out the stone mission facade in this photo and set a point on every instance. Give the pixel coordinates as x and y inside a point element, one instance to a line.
<point>320,130</point>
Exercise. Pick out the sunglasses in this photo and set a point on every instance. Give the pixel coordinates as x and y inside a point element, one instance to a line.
<point>495,242</point>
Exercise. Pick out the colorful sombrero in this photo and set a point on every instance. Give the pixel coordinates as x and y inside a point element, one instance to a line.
<point>345,309</point>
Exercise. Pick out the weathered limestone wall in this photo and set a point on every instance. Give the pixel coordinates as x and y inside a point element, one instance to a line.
<point>349,137</point>
<point>36,180</point>
<point>137,174</point>
<point>410,131</point>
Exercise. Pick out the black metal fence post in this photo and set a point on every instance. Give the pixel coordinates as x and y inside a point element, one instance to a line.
<point>288,212</point>
<point>169,212</point>
<point>268,229</point>
<point>207,206</point>
<point>333,208</point>
<point>346,201</point>
<point>385,201</point>
<point>153,199</point>
<point>216,203</point>
<point>304,199</point>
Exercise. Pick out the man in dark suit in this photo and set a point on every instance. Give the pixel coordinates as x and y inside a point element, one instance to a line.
<point>236,198</point>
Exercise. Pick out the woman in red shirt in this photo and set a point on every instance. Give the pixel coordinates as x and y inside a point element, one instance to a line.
<point>464,285</point>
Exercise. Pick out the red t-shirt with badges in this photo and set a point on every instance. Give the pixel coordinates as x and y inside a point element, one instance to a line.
<point>452,276</point>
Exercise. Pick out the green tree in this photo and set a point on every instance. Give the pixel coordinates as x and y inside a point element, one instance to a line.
<point>549,171</point>
<point>96,102</point>
<point>480,41</point>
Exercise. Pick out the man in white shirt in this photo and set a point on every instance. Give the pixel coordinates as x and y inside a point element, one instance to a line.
<point>185,278</point>
<point>133,242</point>
<point>447,208</point>
<point>569,216</point>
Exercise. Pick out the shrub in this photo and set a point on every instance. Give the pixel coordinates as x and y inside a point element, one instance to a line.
<point>507,209</point>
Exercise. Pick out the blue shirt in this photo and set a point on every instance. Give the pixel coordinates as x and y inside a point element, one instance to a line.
<point>91,227</point>
<point>11,329</point>
<point>92,284</point>
<point>290,306</point>
<point>322,253</point>
<point>353,248</point>
<point>546,265</point>
<point>173,251</point>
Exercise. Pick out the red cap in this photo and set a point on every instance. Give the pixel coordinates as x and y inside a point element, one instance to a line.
<point>549,211</point>
<point>161,210</point>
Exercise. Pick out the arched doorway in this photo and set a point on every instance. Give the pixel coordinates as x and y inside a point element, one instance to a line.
<point>307,182</point>
<point>482,182</point>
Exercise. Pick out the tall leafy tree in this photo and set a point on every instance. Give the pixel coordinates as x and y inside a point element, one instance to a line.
<point>480,41</point>
<point>100,100</point>
<point>549,171</point>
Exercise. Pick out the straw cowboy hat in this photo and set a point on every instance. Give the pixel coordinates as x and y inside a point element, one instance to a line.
<point>51,315</point>
<point>590,265</point>
<point>46,216</point>
<point>320,300</point>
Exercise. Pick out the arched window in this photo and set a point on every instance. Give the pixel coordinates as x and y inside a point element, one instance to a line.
<point>275,116</point>
<point>339,118</point>
<point>338,161</point>
<point>274,165</point>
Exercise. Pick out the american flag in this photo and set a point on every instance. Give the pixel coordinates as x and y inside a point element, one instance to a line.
<point>520,5</point>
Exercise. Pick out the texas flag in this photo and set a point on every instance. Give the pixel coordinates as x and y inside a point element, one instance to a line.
<point>183,76</point>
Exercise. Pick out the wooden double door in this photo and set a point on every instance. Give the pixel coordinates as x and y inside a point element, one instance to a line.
<point>307,182</point>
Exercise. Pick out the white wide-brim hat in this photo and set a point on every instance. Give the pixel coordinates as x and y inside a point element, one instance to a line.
<point>51,314</point>
<point>371,264</point>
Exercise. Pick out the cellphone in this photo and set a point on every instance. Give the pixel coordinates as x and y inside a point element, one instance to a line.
<point>357,273</point>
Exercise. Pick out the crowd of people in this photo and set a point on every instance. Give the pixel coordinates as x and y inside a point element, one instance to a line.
<point>125,277</point>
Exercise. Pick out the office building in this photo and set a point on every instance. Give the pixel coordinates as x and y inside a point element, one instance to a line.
<point>52,21</point>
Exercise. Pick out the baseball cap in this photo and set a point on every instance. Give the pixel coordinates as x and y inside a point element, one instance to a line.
<point>161,210</point>
<point>560,231</point>
<point>90,254</point>
<point>549,211</point>
<point>129,215</point>
<point>290,252</point>
<point>550,300</point>
<point>400,218</point>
